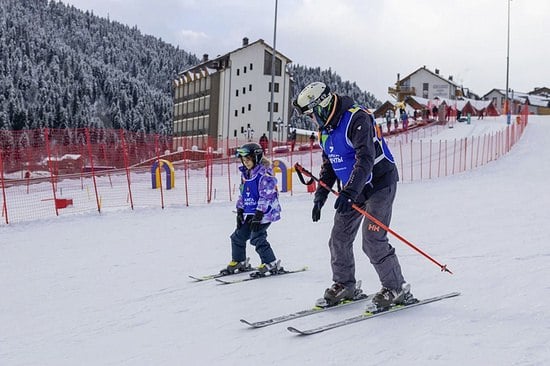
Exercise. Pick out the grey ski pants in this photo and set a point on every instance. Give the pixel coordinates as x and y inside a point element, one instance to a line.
<point>375,241</point>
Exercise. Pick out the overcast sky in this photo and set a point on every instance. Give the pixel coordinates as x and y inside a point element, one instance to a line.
<point>366,41</point>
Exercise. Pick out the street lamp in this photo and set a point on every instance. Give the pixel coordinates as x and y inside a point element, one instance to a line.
<point>249,133</point>
<point>279,129</point>
<point>508,111</point>
<point>270,145</point>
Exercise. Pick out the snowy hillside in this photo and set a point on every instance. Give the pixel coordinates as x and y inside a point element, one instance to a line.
<point>113,289</point>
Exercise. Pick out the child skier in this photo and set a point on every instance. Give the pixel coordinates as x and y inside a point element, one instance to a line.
<point>257,207</point>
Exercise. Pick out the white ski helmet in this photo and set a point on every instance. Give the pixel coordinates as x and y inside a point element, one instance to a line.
<point>316,94</point>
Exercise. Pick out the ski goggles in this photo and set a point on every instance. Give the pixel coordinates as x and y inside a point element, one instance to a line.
<point>241,153</point>
<point>315,105</point>
<point>308,109</point>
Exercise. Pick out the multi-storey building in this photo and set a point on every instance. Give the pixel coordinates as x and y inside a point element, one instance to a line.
<point>229,97</point>
<point>427,84</point>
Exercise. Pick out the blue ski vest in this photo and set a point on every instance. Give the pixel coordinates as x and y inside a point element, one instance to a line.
<point>250,194</point>
<point>340,151</point>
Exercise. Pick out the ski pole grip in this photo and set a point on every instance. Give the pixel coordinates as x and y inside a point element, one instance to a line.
<point>300,171</point>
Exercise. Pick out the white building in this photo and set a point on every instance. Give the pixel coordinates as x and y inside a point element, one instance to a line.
<point>537,104</point>
<point>230,97</point>
<point>426,84</point>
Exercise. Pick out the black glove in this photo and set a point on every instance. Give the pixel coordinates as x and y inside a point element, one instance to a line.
<point>256,220</point>
<point>316,211</point>
<point>343,202</point>
<point>240,217</point>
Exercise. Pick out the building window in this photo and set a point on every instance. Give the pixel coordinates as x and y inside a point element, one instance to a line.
<point>200,106</point>
<point>236,92</point>
<point>275,107</point>
<point>244,90</point>
<point>267,64</point>
<point>250,67</point>
<point>276,89</point>
<point>425,90</point>
<point>242,110</point>
<point>238,72</point>
<point>236,113</point>
<point>250,107</point>
<point>244,69</point>
<point>250,86</point>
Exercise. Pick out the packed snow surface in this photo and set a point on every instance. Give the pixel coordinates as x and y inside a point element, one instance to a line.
<point>113,289</point>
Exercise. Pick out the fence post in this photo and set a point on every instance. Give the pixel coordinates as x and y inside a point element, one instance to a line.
<point>50,168</point>
<point>454,156</point>
<point>91,157</point>
<point>4,202</point>
<point>411,158</point>
<point>430,174</point>
<point>460,156</point>
<point>126,167</point>
<point>228,169</point>
<point>209,174</point>
<point>439,162</point>
<point>401,154</point>
<point>421,161</point>
<point>446,157</point>
<point>157,150</point>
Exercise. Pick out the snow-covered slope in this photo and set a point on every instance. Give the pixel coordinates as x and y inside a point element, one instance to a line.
<point>113,289</point>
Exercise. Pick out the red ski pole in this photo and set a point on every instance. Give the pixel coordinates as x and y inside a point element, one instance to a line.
<point>302,170</point>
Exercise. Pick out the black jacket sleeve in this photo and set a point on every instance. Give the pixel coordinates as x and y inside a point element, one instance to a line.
<point>326,176</point>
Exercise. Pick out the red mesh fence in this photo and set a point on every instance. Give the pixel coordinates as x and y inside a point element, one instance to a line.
<point>53,172</point>
<point>45,173</point>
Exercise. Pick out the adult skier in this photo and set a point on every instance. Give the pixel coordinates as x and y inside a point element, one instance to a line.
<point>355,153</point>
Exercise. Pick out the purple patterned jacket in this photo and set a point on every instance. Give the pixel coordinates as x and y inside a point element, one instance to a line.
<point>266,198</point>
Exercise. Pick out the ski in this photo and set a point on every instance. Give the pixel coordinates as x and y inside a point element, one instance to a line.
<point>306,312</point>
<point>220,274</point>
<point>244,279</point>
<point>369,315</point>
<point>208,277</point>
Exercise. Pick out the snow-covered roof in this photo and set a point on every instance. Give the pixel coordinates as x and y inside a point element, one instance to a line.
<point>534,100</point>
<point>301,131</point>
<point>64,157</point>
<point>423,101</point>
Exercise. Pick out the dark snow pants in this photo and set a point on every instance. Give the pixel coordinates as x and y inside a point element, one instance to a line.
<point>257,238</point>
<point>375,241</point>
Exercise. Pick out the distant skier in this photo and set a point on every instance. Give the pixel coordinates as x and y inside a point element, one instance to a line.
<point>257,207</point>
<point>355,154</point>
<point>388,120</point>
<point>405,120</point>
<point>264,142</point>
